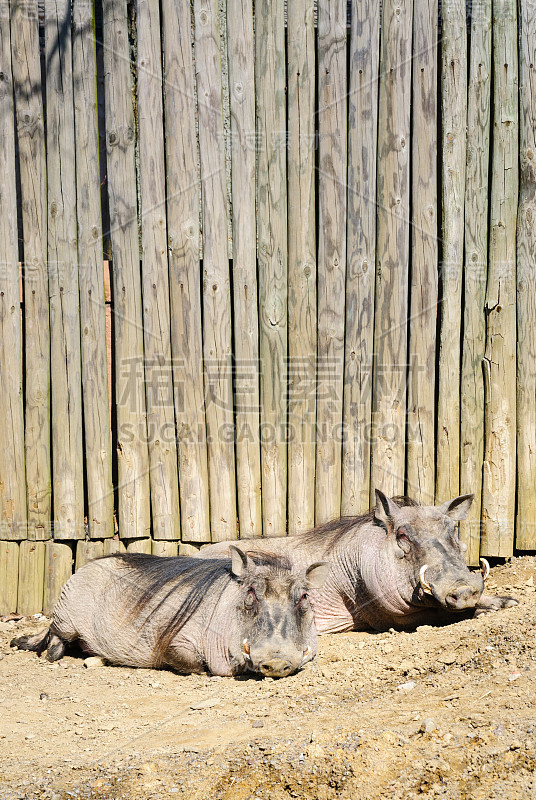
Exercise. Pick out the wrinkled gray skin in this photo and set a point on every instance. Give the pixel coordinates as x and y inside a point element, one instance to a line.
<point>244,618</point>
<point>376,562</point>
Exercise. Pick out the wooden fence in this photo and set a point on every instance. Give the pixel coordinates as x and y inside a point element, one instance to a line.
<point>256,260</point>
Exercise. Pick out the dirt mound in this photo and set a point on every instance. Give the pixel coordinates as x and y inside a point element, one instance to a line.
<point>441,712</point>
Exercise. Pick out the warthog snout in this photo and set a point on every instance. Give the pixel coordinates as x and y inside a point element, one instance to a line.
<point>276,667</point>
<point>463,597</point>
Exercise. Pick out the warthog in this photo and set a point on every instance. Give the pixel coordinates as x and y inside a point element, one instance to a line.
<point>244,614</point>
<point>397,566</point>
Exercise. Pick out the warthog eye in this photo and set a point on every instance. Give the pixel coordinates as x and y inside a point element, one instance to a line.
<point>303,602</point>
<point>403,539</point>
<point>251,598</point>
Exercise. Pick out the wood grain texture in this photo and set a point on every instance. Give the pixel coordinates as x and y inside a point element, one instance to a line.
<point>155,282</point>
<point>183,226</point>
<point>87,551</point>
<point>526,270</point>
<point>67,439</point>
<point>58,570</point>
<point>132,453</point>
<point>361,254</point>
<point>12,470</point>
<point>140,546</point>
<point>475,275</point>
<point>9,577</point>
<point>420,448</point>
<point>392,253</point>
<point>216,278</point>
<point>331,268</point>
<point>166,549</point>
<point>240,44</point>
<point>111,546</point>
<point>454,121</point>
<point>301,266</point>
<point>97,442</point>
<point>31,578</point>
<point>32,164</point>
<point>498,489</point>
<point>272,255</point>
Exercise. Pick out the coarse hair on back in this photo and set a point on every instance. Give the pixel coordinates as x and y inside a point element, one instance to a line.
<point>330,533</point>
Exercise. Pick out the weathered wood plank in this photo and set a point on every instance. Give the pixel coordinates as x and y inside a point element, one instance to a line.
<point>87,551</point>
<point>331,268</point>
<point>499,478</point>
<point>420,449</point>
<point>32,163</point>
<point>9,577</point>
<point>97,442</point>
<point>475,275</point>
<point>165,548</point>
<point>240,44</point>
<point>272,257</point>
<point>392,251</point>
<point>58,570</point>
<point>216,278</point>
<point>454,121</point>
<point>31,577</point>
<point>133,459</point>
<point>301,265</point>
<point>361,254</point>
<point>114,545</point>
<point>67,463</point>
<point>139,546</point>
<point>526,270</point>
<point>12,471</point>
<point>187,549</point>
<point>183,201</point>
<point>155,282</point>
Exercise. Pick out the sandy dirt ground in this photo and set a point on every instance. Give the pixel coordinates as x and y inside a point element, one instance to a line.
<point>441,712</point>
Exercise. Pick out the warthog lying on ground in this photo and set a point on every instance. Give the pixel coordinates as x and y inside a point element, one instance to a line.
<point>400,565</point>
<point>229,617</point>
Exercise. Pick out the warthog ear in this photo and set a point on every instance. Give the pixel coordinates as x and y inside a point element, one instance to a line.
<point>385,509</point>
<point>458,508</point>
<point>317,574</point>
<point>241,563</point>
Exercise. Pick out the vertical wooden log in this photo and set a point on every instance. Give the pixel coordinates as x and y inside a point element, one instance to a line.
<point>31,144</point>
<point>164,548</point>
<point>87,551</point>
<point>111,546</point>
<point>301,266</point>
<point>272,257</point>
<point>97,443</point>
<point>475,274</point>
<point>392,253</point>
<point>156,319</point>
<point>361,254</point>
<point>133,460</point>
<point>454,121</point>
<point>9,577</point>
<point>498,489</point>
<point>183,201</point>
<point>12,473</point>
<point>58,570</point>
<point>526,270</point>
<point>139,546</point>
<point>216,279</point>
<point>420,454</point>
<point>67,462</point>
<point>332,183</point>
<point>31,577</point>
<point>240,45</point>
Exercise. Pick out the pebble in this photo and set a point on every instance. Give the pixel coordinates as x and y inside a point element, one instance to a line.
<point>213,701</point>
<point>514,676</point>
<point>407,687</point>
<point>447,658</point>
<point>93,662</point>
<point>406,665</point>
<point>428,725</point>
<point>516,744</point>
<point>257,723</point>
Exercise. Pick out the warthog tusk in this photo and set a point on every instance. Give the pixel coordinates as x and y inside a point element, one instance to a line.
<point>245,647</point>
<point>424,583</point>
<point>307,651</point>
<point>484,569</point>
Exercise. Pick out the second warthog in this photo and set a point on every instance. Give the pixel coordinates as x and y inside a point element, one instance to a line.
<point>400,565</point>
<point>227,617</point>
